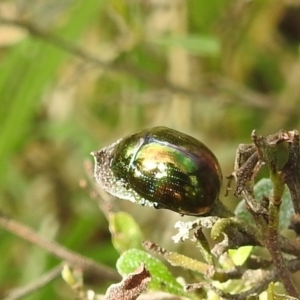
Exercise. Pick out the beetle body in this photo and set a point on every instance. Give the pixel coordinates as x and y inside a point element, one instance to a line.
<point>163,168</point>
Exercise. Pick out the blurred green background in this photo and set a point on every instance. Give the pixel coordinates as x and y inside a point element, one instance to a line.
<point>213,69</point>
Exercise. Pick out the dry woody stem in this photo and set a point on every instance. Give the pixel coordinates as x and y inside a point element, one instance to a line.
<point>57,250</point>
<point>264,151</point>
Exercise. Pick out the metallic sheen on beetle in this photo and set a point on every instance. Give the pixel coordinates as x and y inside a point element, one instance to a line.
<point>162,168</point>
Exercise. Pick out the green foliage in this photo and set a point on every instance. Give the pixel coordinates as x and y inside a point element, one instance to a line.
<point>161,278</point>
<point>31,77</point>
<point>126,234</point>
<point>58,103</point>
<point>240,255</point>
<point>263,188</point>
<point>275,296</point>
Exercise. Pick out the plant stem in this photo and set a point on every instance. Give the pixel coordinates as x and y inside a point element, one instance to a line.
<point>273,246</point>
<point>220,210</point>
<point>54,248</point>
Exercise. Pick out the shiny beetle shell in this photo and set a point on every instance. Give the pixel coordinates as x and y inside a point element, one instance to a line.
<point>162,168</point>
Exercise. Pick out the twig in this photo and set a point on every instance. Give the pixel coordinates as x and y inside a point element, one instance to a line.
<point>267,149</point>
<point>87,56</point>
<point>35,285</point>
<point>263,283</point>
<point>57,250</point>
<point>291,169</point>
<point>277,257</point>
<point>246,97</point>
<point>267,220</point>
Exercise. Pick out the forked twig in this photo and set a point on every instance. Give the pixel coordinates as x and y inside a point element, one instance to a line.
<point>57,250</point>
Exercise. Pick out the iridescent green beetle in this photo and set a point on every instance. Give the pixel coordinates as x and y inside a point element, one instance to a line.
<point>162,168</point>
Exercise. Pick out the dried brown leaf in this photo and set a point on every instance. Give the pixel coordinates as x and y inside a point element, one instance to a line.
<point>131,286</point>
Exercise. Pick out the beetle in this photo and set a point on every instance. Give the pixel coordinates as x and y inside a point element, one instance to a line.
<point>162,168</point>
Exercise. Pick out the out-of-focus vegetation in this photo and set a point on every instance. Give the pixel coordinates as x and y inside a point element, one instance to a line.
<point>77,75</point>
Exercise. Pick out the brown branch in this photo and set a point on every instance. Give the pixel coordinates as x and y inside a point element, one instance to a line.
<point>35,285</point>
<point>77,51</point>
<point>234,91</point>
<point>57,250</point>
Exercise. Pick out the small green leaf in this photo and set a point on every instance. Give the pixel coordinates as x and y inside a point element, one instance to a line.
<point>161,278</point>
<point>274,296</point>
<point>240,255</point>
<point>126,233</point>
<point>263,188</point>
<point>194,44</point>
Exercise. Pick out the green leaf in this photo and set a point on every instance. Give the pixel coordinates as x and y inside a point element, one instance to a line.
<point>263,188</point>
<point>126,233</point>
<point>274,296</point>
<point>194,44</point>
<point>240,255</point>
<point>162,279</point>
